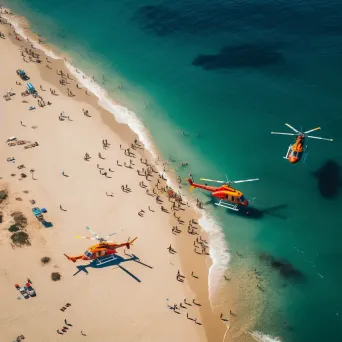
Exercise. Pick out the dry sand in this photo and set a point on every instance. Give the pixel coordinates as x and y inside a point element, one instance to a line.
<point>127,301</point>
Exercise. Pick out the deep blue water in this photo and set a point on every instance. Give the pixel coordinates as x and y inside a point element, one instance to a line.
<point>233,71</point>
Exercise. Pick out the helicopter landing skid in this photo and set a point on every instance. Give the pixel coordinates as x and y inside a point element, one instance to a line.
<point>227,205</point>
<point>105,260</point>
<point>288,153</point>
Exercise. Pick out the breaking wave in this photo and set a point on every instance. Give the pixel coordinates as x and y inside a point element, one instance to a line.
<point>260,337</point>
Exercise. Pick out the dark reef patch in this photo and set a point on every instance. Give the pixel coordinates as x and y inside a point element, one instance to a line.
<point>240,56</point>
<point>203,18</point>
<point>284,267</point>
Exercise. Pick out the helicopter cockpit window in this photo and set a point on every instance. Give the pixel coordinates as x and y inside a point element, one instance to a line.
<point>87,254</point>
<point>242,199</point>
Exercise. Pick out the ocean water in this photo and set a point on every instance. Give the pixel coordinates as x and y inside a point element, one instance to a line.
<point>227,73</point>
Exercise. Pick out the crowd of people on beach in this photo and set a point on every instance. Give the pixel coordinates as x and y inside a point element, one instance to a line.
<point>169,200</point>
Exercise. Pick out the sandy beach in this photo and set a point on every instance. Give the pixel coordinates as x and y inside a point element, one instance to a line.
<point>77,169</point>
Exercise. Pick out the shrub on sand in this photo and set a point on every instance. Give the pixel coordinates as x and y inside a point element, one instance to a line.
<point>55,276</point>
<point>3,195</point>
<point>13,228</point>
<point>19,219</point>
<point>21,239</point>
<point>45,260</point>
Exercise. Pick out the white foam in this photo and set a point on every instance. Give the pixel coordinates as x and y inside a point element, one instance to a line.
<point>260,337</point>
<point>217,243</point>
<point>218,252</point>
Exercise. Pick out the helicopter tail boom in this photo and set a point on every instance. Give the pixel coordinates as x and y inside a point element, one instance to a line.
<point>71,258</point>
<point>201,186</point>
<point>129,243</point>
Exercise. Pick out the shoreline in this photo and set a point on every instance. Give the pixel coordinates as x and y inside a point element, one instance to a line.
<point>109,123</point>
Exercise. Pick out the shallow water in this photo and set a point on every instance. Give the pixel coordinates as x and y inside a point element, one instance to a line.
<point>233,71</point>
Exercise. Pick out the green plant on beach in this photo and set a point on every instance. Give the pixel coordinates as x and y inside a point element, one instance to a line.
<point>19,219</point>
<point>55,276</point>
<point>13,228</point>
<point>21,239</point>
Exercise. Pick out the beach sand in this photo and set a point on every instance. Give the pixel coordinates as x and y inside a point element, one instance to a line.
<point>126,300</point>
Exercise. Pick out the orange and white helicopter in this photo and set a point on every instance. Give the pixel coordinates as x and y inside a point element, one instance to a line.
<point>299,150</point>
<point>229,197</point>
<point>102,249</point>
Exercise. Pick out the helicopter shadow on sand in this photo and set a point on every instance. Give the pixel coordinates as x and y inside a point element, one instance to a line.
<point>117,261</point>
<point>251,212</point>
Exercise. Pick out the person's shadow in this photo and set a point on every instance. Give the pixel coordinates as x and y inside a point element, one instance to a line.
<point>113,260</point>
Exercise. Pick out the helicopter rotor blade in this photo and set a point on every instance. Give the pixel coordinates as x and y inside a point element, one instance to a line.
<point>111,234</point>
<point>245,180</point>
<point>311,136</point>
<point>283,133</point>
<point>212,180</point>
<point>227,179</point>
<point>91,231</point>
<point>289,126</point>
<point>312,130</point>
<point>85,237</point>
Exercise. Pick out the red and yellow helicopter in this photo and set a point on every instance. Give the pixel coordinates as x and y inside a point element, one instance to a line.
<point>229,197</point>
<point>100,250</point>
<point>298,150</point>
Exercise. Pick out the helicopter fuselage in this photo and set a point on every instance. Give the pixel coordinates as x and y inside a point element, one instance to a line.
<point>100,250</point>
<point>295,151</point>
<point>224,192</point>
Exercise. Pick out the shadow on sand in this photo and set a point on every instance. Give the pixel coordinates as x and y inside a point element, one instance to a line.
<point>117,261</point>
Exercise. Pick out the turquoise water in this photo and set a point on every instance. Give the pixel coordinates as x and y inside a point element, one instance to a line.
<point>233,71</point>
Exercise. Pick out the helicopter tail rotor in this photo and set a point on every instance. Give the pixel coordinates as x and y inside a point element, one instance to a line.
<point>130,242</point>
<point>70,258</point>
